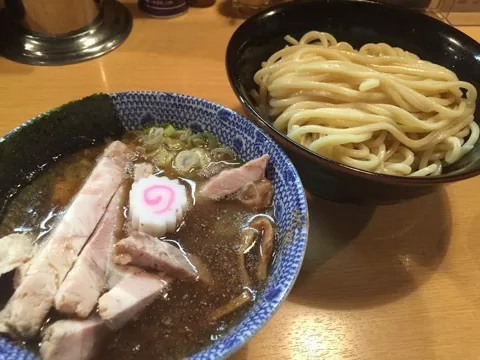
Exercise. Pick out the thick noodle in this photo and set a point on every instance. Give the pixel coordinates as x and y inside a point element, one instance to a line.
<point>379,109</point>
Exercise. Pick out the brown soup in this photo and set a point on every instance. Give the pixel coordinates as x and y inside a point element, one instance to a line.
<point>182,320</point>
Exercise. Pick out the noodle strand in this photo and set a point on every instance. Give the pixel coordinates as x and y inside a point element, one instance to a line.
<point>378,108</point>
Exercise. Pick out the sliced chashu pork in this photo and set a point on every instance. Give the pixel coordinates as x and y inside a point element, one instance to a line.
<point>72,339</point>
<point>84,284</point>
<point>115,272</point>
<point>230,181</point>
<point>257,195</point>
<point>129,297</point>
<point>20,273</point>
<point>215,168</point>
<point>151,253</point>
<point>35,295</point>
<point>142,171</point>
<point>18,277</point>
<point>4,317</point>
<point>15,251</point>
<point>131,288</point>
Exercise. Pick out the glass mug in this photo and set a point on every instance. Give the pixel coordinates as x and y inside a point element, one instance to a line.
<point>246,8</point>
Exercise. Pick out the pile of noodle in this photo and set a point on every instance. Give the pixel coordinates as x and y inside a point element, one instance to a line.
<point>379,109</point>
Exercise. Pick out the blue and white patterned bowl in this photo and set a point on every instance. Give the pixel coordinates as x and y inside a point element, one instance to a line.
<point>137,109</point>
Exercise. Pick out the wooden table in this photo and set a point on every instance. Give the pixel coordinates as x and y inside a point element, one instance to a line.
<point>394,282</point>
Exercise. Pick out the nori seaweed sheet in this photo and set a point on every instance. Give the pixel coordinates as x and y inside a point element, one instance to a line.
<point>36,144</point>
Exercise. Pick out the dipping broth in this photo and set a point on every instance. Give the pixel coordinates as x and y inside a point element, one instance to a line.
<point>226,238</point>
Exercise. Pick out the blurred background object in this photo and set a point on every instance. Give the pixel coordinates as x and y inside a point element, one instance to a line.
<point>461,12</point>
<point>163,8</point>
<point>201,3</point>
<point>54,32</point>
<point>455,12</point>
<point>246,8</point>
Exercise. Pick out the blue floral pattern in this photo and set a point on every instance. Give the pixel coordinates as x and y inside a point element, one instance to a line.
<point>137,109</point>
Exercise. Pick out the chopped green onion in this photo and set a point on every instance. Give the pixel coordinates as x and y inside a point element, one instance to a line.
<point>169,131</point>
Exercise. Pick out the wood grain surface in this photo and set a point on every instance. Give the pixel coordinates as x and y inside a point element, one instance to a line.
<point>393,282</point>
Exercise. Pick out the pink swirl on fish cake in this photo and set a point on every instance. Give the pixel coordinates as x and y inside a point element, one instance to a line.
<point>161,200</point>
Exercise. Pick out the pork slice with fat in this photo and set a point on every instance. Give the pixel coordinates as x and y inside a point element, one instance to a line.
<point>115,272</point>
<point>4,316</point>
<point>230,181</point>
<point>35,295</point>
<point>142,171</point>
<point>257,195</point>
<point>84,284</point>
<point>151,253</point>
<point>72,339</point>
<point>129,297</point>
<point>131,289</point>
<point>21,271</point>
<point>18,277</point>
<point>214,168</point>
<point>15,250</point>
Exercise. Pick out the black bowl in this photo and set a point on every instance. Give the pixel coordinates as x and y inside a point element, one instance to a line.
<point>357,22</point>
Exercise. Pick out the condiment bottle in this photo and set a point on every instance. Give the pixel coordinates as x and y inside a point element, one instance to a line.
<point>163,8</point>
<point>201,3</point>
